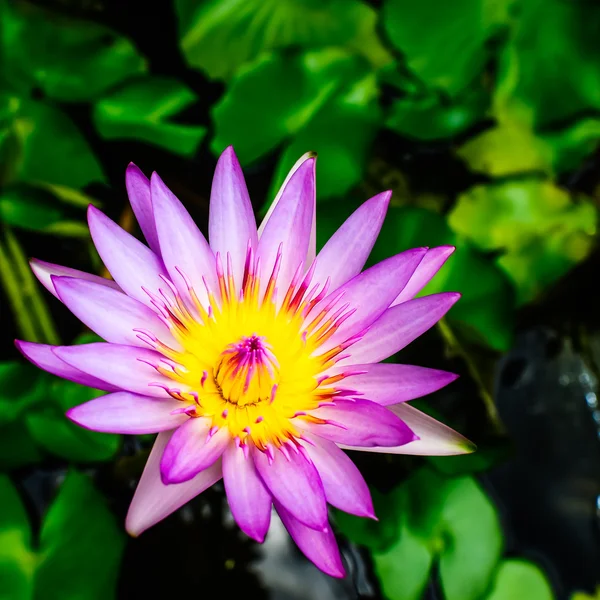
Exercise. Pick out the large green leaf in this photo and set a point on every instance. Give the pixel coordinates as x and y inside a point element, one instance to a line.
<point>142,108</point>
<point>218,36</point>
<point>520,579</point>
<point>17,562</point>
<point>80,545</point>
<point>539,229</point>
<point>444,43</point>
<point>17,447</point>
<point>21,386</point>
<point>45,146</point>
<point>55,433</point>
<point>65,59</point>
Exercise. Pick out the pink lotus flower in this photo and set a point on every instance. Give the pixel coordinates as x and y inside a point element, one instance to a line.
<point>253,360</point>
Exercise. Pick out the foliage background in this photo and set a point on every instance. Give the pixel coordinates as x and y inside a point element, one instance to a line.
<point>483,116</point>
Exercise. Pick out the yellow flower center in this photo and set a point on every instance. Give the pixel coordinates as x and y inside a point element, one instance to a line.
<point>248,363</point>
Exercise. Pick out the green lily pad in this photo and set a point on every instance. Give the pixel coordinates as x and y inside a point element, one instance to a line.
<point>66,59</point>
<point>142,108</point>
<point>520,579</point>
<point>220,36</point>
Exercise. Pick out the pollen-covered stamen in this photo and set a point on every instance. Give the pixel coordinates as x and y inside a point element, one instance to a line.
<point>248,372</point>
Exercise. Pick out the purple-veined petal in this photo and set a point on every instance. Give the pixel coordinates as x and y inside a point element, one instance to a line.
<point>111,314</point>
<point>43,356</point>
<point>386,384</point>
<point>294,481</point>
<point>358,423</point>
<point>289,226</point>
<point>44,271</point>
<point>153,500</point>
<point>191,450</point>
<point>370,293</point>
<point>231,222</point>
<point>399,326</point>
<point>344,486</point>
<point>132,264</point>
<point>347,251</point>
<point>249,499</point>
<point>138,190</point>
<point>435,438</point>
<point>319,547</point>
<point>123,412</point>
<point>125,367</point>
<point>432,262</point>
<point>183,247</point>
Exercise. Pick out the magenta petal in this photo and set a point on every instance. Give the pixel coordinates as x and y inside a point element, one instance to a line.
<point>43,356</point>
<point>289,226</point>
<point>435,438</point>
<point>371,292</point>
<point>249,499</point>
<point>231,223</point>
<point>153,500</point>
<point>192,449</point>
<point>45,270</point>
<point>294,481</point>
<point>111,314</point>
<point>182,245</point>
<point>358,423</point>
<point>430,265</point>
<point>344,486</point>
<point>399,326</point>
<point>138,190</point>
<point>125,367</point>
<point>128,413</point>
<point>132,264</point>
<point>346,252</point>
<point>386,384</point>
<point>319,547</point>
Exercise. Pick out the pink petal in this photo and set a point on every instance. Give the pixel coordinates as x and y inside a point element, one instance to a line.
<point>125,367</point>
<point>231,223</point>
<point>127,413</point>
<point>191,450</point>
<point>182,245</point>
<point>386,384</point>
<point>132,264</point>
<point>358,423</point>
<point>138,190</point>
<point>434,260</point>
<point>344,486</point>
<point>42,356</point>
<point>153,500</point>
<point>399,326</point>
<point>435,438</point>
<point>371,293</point>
<point>289,226</point>
<point>248,498</point>
<point>44,271</point>
<point>347,251</point>
<point>295,482</point>
<point>319,547</point>
<point>111,314</point>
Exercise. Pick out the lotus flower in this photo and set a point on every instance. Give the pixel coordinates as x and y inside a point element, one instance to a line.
<point>254,359</point>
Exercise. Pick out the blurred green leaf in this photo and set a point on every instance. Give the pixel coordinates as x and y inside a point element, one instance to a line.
<point>66,59</point>
<point>17,447</point>
<point>584,596</point>
<point>80,545</point>
<point>219,36</point>
<point>484,459</point>
<point>429,116</point>
<point>141,110</point>
<point>539,229</point>
<point>21,386</point>
<point>58,435</point>
<point>444,43</point>
<point>17,562</point>
<point>47,147</point>
<point>548,72</point>
<point>520,579</point>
